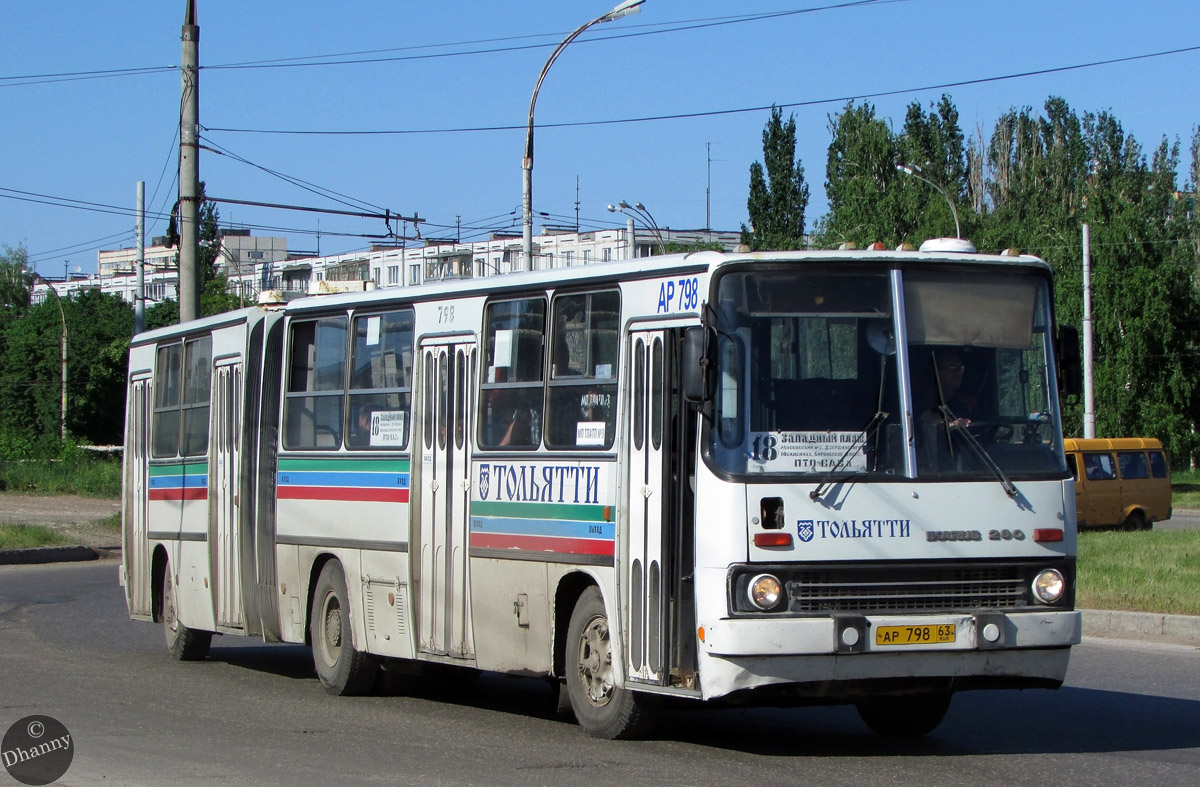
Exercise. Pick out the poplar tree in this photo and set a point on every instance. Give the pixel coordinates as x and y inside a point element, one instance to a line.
<point>779,198</point>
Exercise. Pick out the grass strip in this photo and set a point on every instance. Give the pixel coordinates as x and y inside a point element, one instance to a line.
<point>27,536</point>
<point>1148,571</point>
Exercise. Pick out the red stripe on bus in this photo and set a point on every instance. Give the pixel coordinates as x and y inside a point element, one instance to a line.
<point>570,546</point>
<point>188,493</point>
<point>346,493</point>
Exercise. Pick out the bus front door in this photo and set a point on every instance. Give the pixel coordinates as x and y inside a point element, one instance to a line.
<point>448,416</point>
<point>646,582</point>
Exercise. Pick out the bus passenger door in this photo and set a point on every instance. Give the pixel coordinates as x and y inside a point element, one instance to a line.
<point>224,505</point>
<point>448,417</point>
<point>646,582</point>
<point>136,566</point>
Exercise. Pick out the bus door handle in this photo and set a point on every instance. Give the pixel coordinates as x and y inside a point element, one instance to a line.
<point>434,485</point>
<point>647,491</point>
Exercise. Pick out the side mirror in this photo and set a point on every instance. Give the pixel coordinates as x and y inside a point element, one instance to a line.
<point>1070,361</point>
<point>697,382</point>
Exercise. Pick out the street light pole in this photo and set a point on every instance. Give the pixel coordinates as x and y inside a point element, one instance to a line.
<point>63,315</point>
<point>915,171</point>
<point>638,210</point>
<point>623,9</point>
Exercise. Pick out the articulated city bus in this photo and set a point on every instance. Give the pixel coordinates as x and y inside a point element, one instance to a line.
<point>771,477</point>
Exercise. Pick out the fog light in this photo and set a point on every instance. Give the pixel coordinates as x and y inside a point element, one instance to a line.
<point>1048,586</point>
<point>765,592</point>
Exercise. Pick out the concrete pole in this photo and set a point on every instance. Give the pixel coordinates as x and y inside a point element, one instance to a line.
<point>630,240</point>
<point>189,170</point>
<point>1089,394</point>
<point>139,296</point>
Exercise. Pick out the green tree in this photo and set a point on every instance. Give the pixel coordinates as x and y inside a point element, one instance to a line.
<point>14,281</point>
<point>860,170</point>
<point>777,200</point>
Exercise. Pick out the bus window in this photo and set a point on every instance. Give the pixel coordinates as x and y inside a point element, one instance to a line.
<point>181,403</point>
<point>512,387</point>
<point>582,409</point>
<point>1133,464</point>
<point>167,394</point>
<point>381,381</point>
<point>316,385</point>
<point>1158,464</point>
<point>1099,467</point>
<point>197,378</point>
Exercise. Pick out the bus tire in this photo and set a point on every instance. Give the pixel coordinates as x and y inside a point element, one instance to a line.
<point>1136,521</point>
<point>343,671</point>
<point>601,708</point>
<point>905,716</point>
<point>185,644</point>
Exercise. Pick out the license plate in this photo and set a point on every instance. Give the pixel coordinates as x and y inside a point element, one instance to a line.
<point>915,635</point>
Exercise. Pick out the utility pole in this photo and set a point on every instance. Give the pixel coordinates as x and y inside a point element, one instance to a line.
<point>1089,393</point>
<point>708,190</point>
<point>189,170</point>
<point>139,297</point>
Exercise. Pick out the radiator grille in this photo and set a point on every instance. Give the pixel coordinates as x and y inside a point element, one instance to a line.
<point>906,589</point>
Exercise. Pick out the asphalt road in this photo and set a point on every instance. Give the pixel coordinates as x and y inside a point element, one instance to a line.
<point>255,714</point>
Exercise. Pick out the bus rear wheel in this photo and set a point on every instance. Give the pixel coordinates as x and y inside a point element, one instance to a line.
<point>185,644</point>
<point>602,708</point>
<point>342,669</point>
<point>905,716</point>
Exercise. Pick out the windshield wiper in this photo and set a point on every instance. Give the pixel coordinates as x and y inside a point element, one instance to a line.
<point>964,429</point>
<point>859,441</point>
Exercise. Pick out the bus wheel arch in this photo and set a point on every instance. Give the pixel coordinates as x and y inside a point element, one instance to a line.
<point>1136,519</point>
<point>602,708</point>
<point>570,588</point>
<point>183,642</point>
<point>342,669</point>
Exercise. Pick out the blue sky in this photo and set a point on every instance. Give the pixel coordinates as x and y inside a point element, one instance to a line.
<point>440,71</point>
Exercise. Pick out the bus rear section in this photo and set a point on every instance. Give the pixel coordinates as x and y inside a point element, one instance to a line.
<point>884,513</point>
<point>1120,482</point>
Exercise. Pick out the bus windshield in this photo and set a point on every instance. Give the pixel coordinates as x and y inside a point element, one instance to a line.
<point>816,375</point>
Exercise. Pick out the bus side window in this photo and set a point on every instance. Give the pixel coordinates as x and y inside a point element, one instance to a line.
<point>1158,464</point>
<point>1133,464</point>
<point>1099,467</point>
<point>582,407</point>
<point>316,385</point>
<point>512,389</point>
<point>1073,466</point>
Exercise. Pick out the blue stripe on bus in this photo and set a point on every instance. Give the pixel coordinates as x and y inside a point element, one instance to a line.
<point>303,478</point>
<point>178,481</point>
<point>561,528</point>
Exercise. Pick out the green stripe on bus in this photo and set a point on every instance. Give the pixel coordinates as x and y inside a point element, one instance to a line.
<point>577,513</point>
<point>194,468</point>
<point>345,465</point>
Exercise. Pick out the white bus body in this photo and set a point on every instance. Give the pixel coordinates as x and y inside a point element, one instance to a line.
<point>776,477</point>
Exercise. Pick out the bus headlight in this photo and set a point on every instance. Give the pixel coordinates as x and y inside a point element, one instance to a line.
<point>1048,586</point>
<point>765,592</point>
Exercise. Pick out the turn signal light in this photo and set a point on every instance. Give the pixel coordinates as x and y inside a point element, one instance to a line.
<point>1043,535</point>
<point>772,539</point>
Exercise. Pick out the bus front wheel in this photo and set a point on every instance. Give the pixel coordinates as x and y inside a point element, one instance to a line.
<point>342,669</point>
<point>602,708</point>
<point>185,644</point>
<point>908,715</point>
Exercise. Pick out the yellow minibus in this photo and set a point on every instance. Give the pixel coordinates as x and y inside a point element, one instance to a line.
<point>1119,481</point>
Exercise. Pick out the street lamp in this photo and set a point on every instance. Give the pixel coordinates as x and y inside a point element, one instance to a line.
<point>237,266</point>
<point>63,314</point>
<point>638,211</point>
<point>915,171</point>
<point>623,9</point>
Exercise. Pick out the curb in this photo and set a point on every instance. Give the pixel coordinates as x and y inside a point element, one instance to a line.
<point>33,555</point>
<point>1184,629</point>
